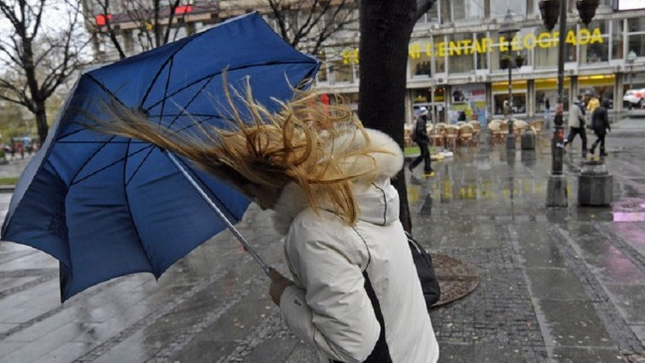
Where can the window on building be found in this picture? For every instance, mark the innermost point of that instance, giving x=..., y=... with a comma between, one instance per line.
x=467, y=9
x=546, y=47
x=500, y=94
x=432, y=16
x=460, y=50
x=636, y=35
x=481, y=52
x=598, y=85
x=499, y=8
x=322, y=75
x=548, y=89
x=594, y=42
x=420, y=55
x=617, y=39
x=439, y=53
x=341, y=71
x=503, y=48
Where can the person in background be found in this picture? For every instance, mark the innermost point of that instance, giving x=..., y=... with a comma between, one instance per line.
x=354, y=293
x=601, y=127
x=577, y=125
x=547, y=114
x=592, y=104
x=420, y=137
x=507, y=109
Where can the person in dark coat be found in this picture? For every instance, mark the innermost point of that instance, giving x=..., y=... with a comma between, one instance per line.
x=420, y=136
x=600, y=126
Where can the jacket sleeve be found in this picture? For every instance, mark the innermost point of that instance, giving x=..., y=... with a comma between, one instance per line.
x=332, y=311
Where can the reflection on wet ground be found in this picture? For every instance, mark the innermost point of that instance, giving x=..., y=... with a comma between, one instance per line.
x=567, y=272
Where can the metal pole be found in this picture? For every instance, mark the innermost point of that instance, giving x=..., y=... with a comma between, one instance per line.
x=265, y=267
x=557, y=185
x=510, y=138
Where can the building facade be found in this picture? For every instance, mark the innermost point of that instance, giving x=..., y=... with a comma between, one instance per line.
x=456, y=51
x=455, y=55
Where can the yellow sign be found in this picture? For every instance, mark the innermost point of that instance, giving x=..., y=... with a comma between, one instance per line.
x=519, y=42
x=485, y=45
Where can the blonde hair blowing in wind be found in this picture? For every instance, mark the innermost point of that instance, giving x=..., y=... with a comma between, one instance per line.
x=322, y=148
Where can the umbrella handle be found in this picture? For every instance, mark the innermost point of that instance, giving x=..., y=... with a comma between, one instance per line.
x=265, y=267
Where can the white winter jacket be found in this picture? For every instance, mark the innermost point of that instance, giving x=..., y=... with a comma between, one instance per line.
x=336, y=267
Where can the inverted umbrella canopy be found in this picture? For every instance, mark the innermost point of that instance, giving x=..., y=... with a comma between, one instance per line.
x=107, y=206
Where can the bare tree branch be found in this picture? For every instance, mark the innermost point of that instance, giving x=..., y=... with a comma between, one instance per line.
x=43, y=58
x=308, y=25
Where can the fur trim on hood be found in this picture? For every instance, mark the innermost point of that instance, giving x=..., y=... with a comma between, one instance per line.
x=292, y=200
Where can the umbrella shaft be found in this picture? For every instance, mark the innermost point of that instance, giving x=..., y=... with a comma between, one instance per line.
x=223, y=217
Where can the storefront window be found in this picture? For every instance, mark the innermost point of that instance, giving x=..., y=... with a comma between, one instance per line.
x=636, y=35
x=459, y=49
x=468, y=102
x=422, y=95
x=594, y=42
x=500, y=94
x=548, y=89
x=601, y=86
x=617, y=39
x=500, y=7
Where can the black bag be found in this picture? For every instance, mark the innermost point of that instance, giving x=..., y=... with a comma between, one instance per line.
x=425, y=270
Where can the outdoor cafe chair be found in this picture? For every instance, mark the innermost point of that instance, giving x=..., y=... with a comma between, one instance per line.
x=465, y=135
x=451, y=135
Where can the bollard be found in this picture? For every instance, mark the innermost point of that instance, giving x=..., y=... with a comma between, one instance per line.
x=528, y=139
x=595, y=185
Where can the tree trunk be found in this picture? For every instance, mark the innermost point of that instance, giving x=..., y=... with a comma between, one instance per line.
x=386, y=27
x=41, y=121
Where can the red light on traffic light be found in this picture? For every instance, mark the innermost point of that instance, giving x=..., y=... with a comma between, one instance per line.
x=102, y=19
x=184, y=9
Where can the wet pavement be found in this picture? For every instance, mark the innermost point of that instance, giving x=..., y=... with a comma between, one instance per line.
x=557, y=285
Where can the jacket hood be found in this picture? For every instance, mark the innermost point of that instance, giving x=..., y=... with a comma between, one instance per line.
x=377, y=199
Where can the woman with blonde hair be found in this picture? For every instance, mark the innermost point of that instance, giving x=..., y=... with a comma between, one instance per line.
x=354, y=293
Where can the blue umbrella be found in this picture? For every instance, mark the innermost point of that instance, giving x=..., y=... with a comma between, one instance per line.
x=107, y=206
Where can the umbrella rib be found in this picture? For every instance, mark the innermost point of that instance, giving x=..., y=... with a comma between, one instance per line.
x=165, y=63
x=221, y=204
x=105, y=167
x=213, y=75
x=127, y=182
x=165, y=92
x=127, y=202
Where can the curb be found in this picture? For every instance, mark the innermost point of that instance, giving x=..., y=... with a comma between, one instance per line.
x=7, y=188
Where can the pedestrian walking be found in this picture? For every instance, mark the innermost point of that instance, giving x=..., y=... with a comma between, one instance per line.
x=547, y=114
x=354, y=293
x=592, y=104
x=601, y=127
x=577, y=125
x=420, y=137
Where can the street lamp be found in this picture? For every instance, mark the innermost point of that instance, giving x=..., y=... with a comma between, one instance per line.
x=509, y=29
x=549, y=9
